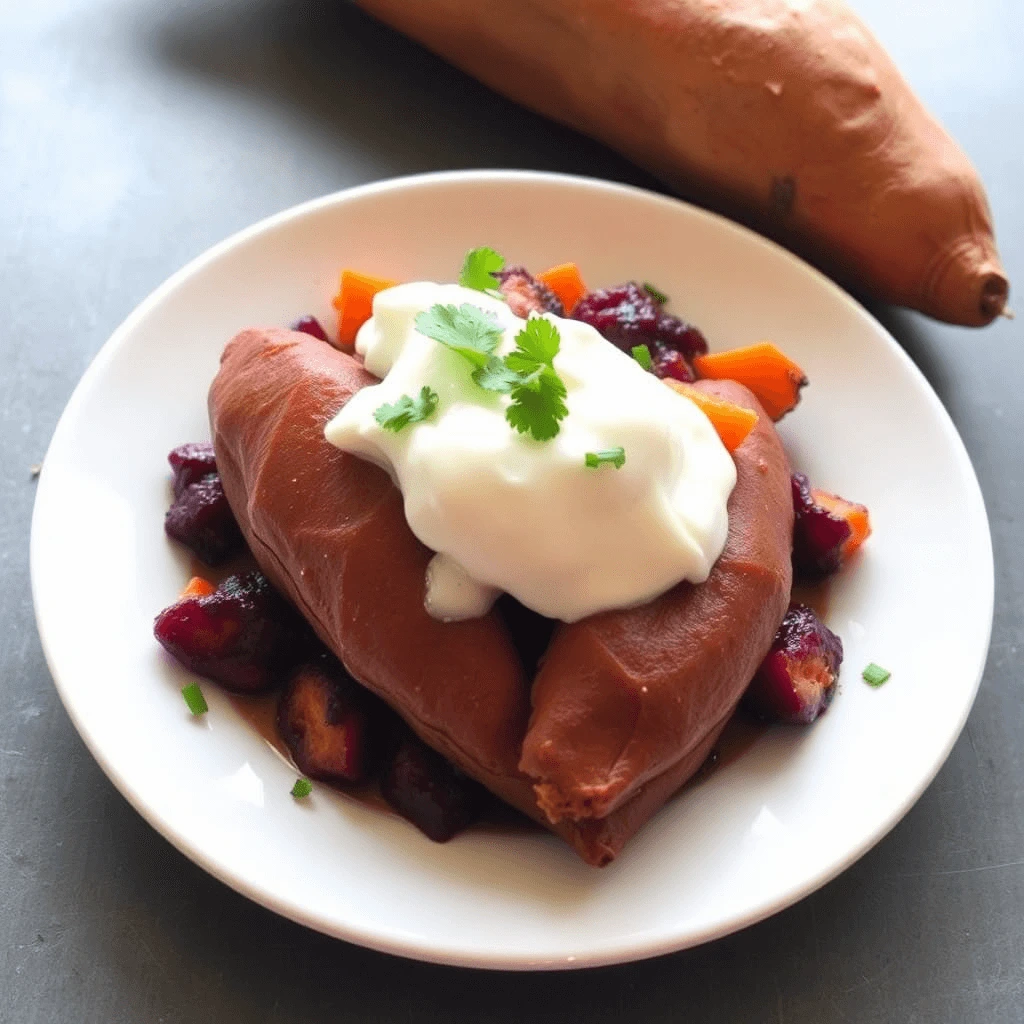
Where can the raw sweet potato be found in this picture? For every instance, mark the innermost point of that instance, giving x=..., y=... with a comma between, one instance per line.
x=785, y=113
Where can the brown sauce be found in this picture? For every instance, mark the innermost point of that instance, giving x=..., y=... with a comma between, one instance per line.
x=260, y=712
x=741, y=732
x=814, y=595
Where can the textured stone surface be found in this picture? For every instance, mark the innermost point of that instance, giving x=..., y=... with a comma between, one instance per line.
x=133, y=134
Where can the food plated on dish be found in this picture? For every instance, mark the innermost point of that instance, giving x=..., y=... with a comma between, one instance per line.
x=755, y=834
x=506, y=438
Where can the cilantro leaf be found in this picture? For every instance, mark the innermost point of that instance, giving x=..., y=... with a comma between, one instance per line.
x=494, y=375
x=538, y=342
x=407, y=410
x=609, y=456
x=467, y=329
x=537, y=410
x=538, y=393
x=479, y=268
x=642, y=354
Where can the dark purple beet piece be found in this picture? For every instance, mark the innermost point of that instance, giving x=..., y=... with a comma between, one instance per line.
x=310, y=325
x=243, y=636
x=667, y=362
x=629, y=315
x=429, y=791
x=818, y=536
x=677, y=334
x=526, y=295
x=327, y=719
x=201, y=519
x=191, y=462
x=797, y=679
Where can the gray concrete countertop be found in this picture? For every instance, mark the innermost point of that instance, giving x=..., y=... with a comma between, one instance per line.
x=135, y=133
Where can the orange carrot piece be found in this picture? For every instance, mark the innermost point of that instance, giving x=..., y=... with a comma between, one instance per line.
x=354, y=303
x=566, y=282
x=197, y=587
x=774, y=378
x=731, y=422
x=855, y=515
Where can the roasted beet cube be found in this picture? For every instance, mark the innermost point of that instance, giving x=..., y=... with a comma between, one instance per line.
x=667, y=362
x=797, y=679
x=630, y=315
x=677, y=334
x=202, y=520
x=326, y=720
x=243, y=635
x=429, y=791
x=191, y=462
x=818, y=535
x=310, y=325
x=525, y=294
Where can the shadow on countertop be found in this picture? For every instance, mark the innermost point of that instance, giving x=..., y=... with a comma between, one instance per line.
x=361, y=83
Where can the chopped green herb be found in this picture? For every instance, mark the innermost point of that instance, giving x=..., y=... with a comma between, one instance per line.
x=610, y=456
x=407, y=410
x=538, y=411
x=496, y=376
x=527, y=374
x=538, y=342
x=642, y=354
x=302, y=788
x=479, y=268
x=538, y=395
x=466, y=329
x=875, y=675
x=655, y=293
x=194, y=699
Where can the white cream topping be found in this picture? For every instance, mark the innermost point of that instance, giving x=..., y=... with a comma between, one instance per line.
x=508, y=513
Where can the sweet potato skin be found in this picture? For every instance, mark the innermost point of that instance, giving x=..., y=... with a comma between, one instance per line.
x=330, y=531
x=622, y=696
x=785, y=113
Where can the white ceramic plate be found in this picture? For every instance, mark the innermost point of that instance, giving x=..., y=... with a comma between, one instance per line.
x=794, y=811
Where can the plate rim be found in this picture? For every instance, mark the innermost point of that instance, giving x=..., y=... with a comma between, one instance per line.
x=628, y=949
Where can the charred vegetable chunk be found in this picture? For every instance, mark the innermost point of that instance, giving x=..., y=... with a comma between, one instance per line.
x=525, y=294
x=854, y=515
x=797, y=679
x=429, y=791
x=190, y=463
x=310, y=325
x=630, y=315
x=669, y=364
x=243, y=635
x=201, y=517
x=818, y=535
x=325, y=720
x=202, y=520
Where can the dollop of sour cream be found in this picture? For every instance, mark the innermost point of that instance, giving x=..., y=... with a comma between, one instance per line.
x=505, y=512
